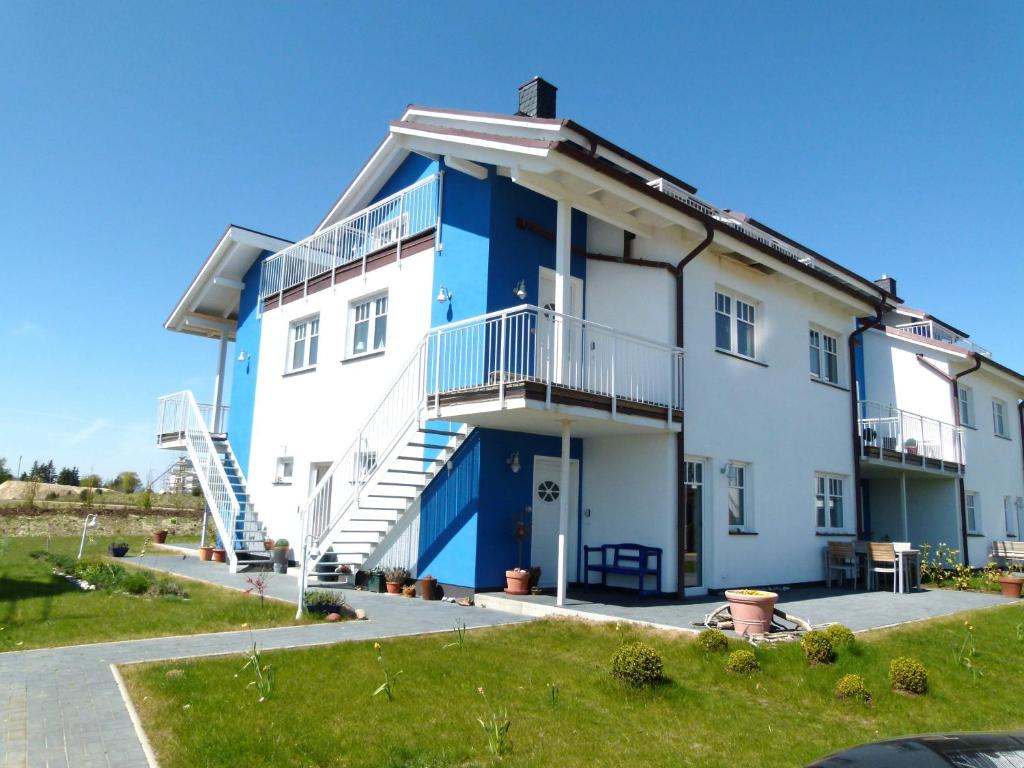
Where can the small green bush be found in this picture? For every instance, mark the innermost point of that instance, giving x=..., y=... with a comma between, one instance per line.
x=908, y=674
x=135, y=583
x=852, y=687
x=839, y=635
x=712, y=640
x=742, y=662
x=818, y=648
x=638, y=664
x=165, y=587
x=51, y=496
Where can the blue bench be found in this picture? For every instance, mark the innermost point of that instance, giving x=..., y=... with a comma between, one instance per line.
x=625, y=560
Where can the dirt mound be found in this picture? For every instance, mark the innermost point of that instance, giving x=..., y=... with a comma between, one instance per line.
x=14, y=490
x=113, y=522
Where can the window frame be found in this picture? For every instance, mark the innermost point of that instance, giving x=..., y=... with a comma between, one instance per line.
x=825, y=484
x=972, y=512
x=737, y=309
x=965, y=405
x=282, y=462
x=310, y=326
x=740, y=470
x=822, y=354
x=1000, y=427
x=372, y=302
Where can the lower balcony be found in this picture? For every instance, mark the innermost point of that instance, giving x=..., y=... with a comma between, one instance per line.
x=892, y=436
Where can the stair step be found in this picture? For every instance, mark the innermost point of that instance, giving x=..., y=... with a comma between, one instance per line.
x=402, y=485
x=410, y=472
x=349, y=539
x=372, y=525
x=374, y=515
x=424, y=459
x=432, y=431
x=435, y=446
x=346, y=549
x=388, y=496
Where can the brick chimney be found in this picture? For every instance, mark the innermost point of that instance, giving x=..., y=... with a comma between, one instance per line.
x=887, y=284
x=537, y=98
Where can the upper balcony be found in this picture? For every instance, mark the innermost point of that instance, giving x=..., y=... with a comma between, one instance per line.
x=929, y=329
x=176, y=417
x=893, y=436
x=313, y=263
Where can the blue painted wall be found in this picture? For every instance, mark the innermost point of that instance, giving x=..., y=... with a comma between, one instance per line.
x=414, y=168
x=243, y=373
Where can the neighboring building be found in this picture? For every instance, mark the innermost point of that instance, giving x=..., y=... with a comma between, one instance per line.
x=181, y=477
x=487, y=329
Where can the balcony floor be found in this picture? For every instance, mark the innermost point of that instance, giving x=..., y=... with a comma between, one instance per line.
x=909, y=461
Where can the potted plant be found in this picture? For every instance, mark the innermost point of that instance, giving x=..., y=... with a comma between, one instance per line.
x=159, y=535
x=1010, y=584
x=206, y=552
x=751, y=610
x=395, y=578
x=910, y=446
x=428, y=587
x=220, y=555
x=344, y=573
x=268, y=544
x=375, y=580
x=120, y=549
x=280, y=556
x=324, y=601
x=519, y=578
x=409, y=590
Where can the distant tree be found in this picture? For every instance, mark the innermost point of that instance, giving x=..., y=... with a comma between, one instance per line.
x=68, y=476
x=5, y=474
x=49, y=472
x=91, y=481
x=127, y=482
x=34, y=472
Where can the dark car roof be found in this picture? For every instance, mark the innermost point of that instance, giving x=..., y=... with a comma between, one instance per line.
x=963, y=750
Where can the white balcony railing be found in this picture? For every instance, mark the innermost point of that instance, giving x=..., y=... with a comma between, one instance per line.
x=931, y=330
x=886, y=428
x=176, y=413
x=404, y=214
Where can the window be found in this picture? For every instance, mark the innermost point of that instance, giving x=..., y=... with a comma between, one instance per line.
x=966, y=400
x=1010, y=512
x=285, y=468
x=999, y=418
x=971, y=512
x=737, y=476
x=369, y=325
x=828, y=491
x=824, y=356
x=735, y=324
x=303, y=343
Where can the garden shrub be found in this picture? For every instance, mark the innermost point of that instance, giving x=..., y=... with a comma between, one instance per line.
x=638, y=664
x=165, y=587
x=852, y=687
x=742, y=662
x=51, y=496
x=818, y=648
x=712, y=640
x=839, y=635
x=135, y=583
x=908, y=674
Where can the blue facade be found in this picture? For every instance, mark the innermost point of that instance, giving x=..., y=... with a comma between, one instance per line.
x=414, y=168
x=243, y=373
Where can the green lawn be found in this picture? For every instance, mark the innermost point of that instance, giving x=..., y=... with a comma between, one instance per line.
x=39, y=609
x=321, y=712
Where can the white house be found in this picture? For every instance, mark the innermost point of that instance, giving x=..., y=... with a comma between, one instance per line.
x=486, y=334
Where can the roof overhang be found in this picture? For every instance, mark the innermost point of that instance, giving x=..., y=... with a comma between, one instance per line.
x=210, y=305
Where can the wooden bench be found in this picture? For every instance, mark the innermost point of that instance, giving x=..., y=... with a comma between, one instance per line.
x=625, y=560
x=1008, y=551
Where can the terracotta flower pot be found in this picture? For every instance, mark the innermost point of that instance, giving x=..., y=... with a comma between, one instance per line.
x=518, y=582
x=427, y=587
x=268, y=544
x=205, y=553
x=394, y=587
x=751, y=613
x=1011, y=585
x=220, y=555
x=159, y=537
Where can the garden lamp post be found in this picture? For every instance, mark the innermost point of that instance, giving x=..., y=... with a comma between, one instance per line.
x=90, y=522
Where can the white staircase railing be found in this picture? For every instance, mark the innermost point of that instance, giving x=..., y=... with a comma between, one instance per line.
x=181, y=414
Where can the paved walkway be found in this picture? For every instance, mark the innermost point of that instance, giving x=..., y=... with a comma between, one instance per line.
x=61, y=707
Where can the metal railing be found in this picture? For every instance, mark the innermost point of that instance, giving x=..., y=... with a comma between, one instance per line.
x=404, y=214
x=929, y=329
x=182, y=414
x=887, y=428
x=175, y=412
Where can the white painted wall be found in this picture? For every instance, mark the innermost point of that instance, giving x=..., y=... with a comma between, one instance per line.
x=313, y=416
x=894, y=376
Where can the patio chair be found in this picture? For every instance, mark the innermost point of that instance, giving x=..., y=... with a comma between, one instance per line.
x=911, y=564
x=841, y=558
x=881, y=559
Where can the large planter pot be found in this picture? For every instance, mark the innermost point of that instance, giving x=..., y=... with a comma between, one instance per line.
x=375, y=582
x=394, y=587
x=751, y=613
x=280, y=559
x=427, y=587
x=518, y=582
x=205, y=553
x=118, y=551
x=159, y=537
x=220, y=555
x=1011, y=585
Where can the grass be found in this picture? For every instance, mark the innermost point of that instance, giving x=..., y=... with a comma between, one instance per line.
x=321, y=711
x=41, y=610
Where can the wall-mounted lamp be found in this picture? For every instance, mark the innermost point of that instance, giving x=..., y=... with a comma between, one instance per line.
x=243, y=356
x=520, y=290
x=513, y=462
x=443, y=295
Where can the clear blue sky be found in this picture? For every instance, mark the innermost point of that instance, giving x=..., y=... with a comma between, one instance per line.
x=886, y=135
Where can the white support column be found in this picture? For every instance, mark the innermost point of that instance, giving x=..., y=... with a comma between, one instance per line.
x=563, y=516
x=563, y=287
x=903, y=505
x=218, y=383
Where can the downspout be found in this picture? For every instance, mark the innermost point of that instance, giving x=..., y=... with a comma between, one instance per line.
x=954, y=385
x=852, y=343
x=681, y=437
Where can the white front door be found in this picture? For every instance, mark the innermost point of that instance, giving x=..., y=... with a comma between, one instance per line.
x=547, y=494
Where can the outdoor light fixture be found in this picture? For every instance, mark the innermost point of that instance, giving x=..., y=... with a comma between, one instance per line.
x=242, y=356
x=443, y=295
x=520, y=290
x=90, y=522
x=513, y=462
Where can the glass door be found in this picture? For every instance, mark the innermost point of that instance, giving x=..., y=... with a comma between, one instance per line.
x=693, y=490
